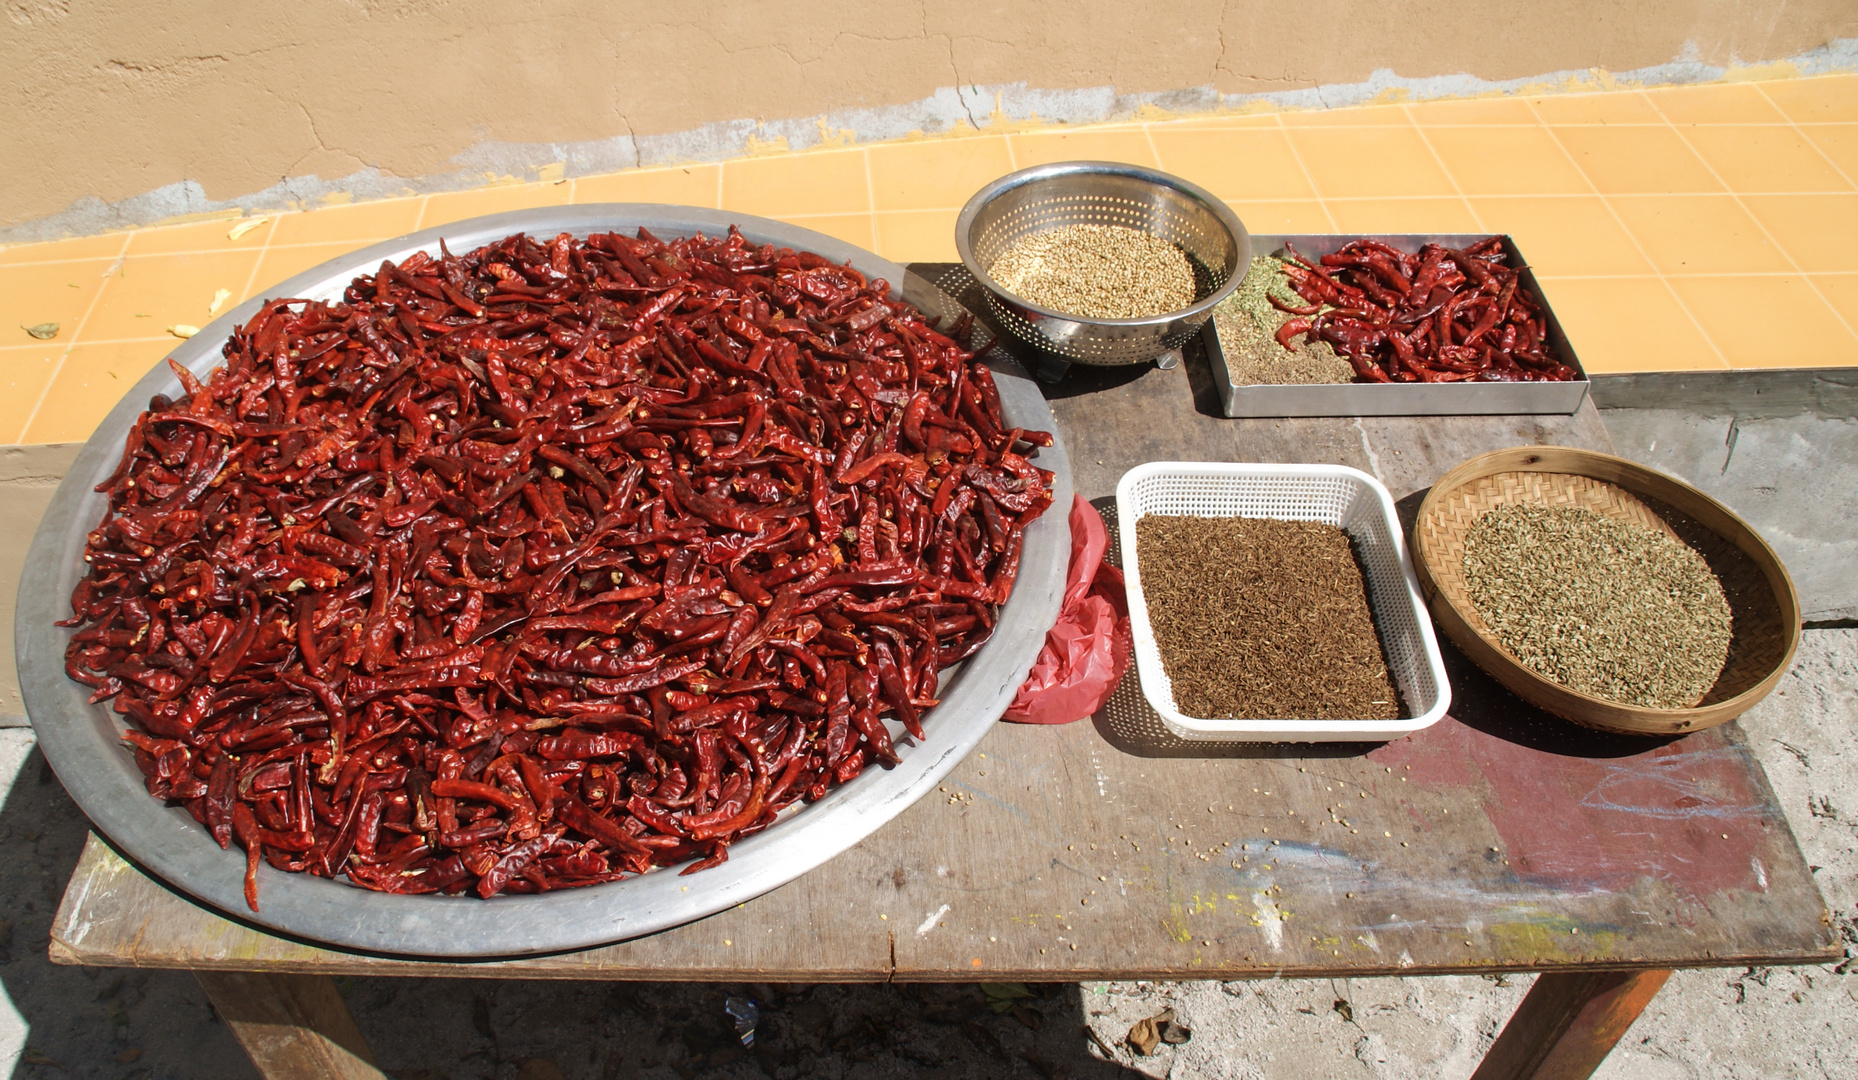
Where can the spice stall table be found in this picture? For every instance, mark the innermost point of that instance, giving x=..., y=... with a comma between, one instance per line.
x=1498, y=840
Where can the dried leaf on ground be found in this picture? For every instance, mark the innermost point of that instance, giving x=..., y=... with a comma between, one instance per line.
x=1150, y=1032
x=44, y=331
x=1146, y=1034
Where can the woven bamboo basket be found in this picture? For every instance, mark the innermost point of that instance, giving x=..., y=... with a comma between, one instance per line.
x=1761, y=595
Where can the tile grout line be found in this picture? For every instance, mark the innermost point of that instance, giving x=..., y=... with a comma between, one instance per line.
x=294, y=245
x=1632, y=236
x=1336, y=198
x=870, y=194
x=1476, y=218
x=101, y=341
x=1810, y=141
x=1210, y=122
x=301, y=244
x=1277, y=121
x=1759, y=224
x=78, y=329
x=844, y=214
x=1148, y=132
x=251, y=279
x=62, y=262
x=1305, y=169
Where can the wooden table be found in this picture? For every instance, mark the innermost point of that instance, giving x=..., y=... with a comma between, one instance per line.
x=1498, y=840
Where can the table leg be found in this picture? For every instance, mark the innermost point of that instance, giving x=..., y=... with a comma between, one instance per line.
x=1567, y=1024
x=295, y=1027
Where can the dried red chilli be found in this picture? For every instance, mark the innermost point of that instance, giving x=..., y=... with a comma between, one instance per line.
x=1443, y=315
x=535, y=567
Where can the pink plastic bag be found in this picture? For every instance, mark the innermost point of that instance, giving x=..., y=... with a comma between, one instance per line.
x=1087, y=652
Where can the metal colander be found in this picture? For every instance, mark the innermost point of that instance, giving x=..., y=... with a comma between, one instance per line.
x=1103, y=193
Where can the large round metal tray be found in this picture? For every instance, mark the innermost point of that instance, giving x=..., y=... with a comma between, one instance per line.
x=82, y=743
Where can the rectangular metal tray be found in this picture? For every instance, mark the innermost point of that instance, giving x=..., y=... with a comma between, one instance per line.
x=1400, y=399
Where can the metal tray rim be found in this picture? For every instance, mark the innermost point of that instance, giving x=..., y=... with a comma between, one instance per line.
x=80, y=740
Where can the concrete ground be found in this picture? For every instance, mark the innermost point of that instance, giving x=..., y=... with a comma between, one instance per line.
x=1792, y=479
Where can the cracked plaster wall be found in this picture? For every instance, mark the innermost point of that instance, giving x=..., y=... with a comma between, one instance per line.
x=120, y=113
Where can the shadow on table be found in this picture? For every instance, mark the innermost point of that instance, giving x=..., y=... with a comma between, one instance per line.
x=1130, y=724
x=1200, y=380
x=1480, y=702
x=1083, y=379
x=1056, y=376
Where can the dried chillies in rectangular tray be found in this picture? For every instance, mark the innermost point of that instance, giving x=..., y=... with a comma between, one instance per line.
x=1441, y=315
x=543, y=565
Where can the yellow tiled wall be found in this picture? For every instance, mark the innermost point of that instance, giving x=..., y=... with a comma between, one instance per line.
x=1691, y=228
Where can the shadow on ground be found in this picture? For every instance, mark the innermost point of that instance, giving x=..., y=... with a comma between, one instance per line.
x=616, y=1031
x=84, y=1022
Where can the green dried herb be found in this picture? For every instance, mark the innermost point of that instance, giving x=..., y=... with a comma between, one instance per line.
x=45, y=331
x=1247, y=324
x=1264, y=278
x=1605, y=607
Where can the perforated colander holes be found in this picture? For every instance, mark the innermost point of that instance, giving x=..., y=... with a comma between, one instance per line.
x=1072, y=210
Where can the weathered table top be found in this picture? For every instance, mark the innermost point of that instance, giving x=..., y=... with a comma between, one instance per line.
x=1498, y=839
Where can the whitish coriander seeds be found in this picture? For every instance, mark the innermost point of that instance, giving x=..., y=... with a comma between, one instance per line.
x=1097, y=271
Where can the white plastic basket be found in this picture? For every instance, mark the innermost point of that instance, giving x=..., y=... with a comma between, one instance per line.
x=1333, y=494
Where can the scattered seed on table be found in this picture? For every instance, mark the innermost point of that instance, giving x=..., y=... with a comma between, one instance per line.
x=1605, y=607
x=1097, y=271
x=1263, y=619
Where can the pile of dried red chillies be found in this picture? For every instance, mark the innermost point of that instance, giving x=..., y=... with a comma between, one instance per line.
x=535, y=567
x=1442, y=315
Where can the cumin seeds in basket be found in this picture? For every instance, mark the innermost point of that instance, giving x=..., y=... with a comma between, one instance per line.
x=1258, y=619
x=1604, y=607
